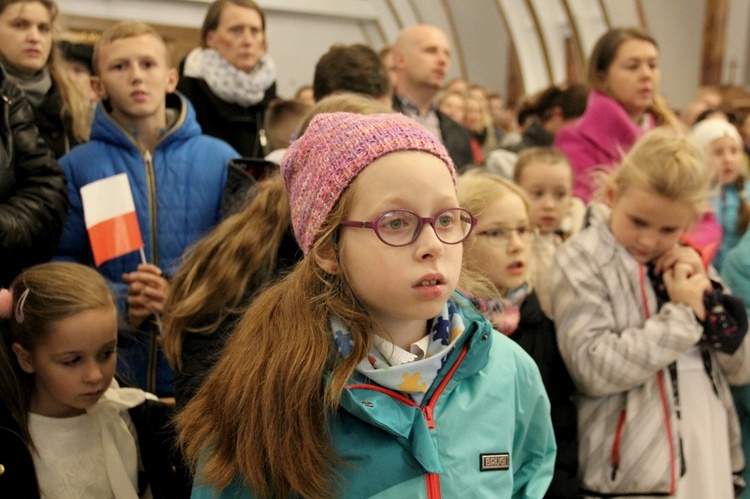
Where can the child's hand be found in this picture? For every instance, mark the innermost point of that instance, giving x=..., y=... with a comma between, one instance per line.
x=680, y=254
x=147, y=293
x=687, y=287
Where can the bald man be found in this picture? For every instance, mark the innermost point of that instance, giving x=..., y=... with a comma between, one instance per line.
x=421, y=60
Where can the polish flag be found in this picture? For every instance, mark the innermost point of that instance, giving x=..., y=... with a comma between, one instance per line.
x=111, y=222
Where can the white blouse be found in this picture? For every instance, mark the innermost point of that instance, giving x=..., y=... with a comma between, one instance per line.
x=93, y=455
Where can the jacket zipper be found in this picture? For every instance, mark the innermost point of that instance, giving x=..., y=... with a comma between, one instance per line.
x=662, y=394
x=148, y=163
x=432, y=480
x=615, y=458
x=668, y=424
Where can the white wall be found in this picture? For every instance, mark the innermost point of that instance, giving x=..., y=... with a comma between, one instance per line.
x=297, y=41
x=300, y=31
x=677, y=26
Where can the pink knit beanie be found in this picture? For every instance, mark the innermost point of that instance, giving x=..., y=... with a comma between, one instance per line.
x=334, y=149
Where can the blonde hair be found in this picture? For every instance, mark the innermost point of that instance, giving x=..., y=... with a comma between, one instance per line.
x=487, y=123
x=345, y=102
x=52, y=292
x=477, y=189
x=75, y=108
x=666, y=164
x=545, y=155
x=122, y=30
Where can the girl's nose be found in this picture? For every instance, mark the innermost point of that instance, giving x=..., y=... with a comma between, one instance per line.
x=515, y=241
x=647, y=241
x=93, y=373
x=427, y=244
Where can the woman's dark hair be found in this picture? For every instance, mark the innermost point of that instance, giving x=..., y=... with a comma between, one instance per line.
x=605, y=51
x=213, y=15
x=571, y=100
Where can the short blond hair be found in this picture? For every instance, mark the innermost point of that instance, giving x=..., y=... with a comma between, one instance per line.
x=121, y=30
x=545, y=155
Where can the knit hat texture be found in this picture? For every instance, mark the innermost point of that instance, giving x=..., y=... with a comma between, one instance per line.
x=334, y=149
x=706, y=131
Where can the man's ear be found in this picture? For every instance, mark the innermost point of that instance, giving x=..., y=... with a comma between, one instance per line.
x=172, y=78
x=24, y=358
x=327, y=260
x=98, y=86
x=399, y=59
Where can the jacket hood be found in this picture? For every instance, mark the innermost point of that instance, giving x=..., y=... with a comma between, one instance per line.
x=106, y=129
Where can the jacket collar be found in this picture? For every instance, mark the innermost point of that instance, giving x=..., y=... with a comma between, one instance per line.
x=403, y=419
x=106, y=129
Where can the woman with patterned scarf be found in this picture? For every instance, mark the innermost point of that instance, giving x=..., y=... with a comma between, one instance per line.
x=61, y=113
x=500, y=248
x=230, y=79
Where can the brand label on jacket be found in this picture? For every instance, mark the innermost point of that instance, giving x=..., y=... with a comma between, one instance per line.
x=494, y=462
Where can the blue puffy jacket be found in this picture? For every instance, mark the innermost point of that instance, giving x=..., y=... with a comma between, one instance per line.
x=177, y=191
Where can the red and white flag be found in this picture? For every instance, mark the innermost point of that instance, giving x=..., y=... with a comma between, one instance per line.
x=111, y=221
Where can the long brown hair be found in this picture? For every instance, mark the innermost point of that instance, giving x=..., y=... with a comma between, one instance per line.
x=263, y=412
x=237, y=256
x=603, y=55
x=743, y=209
x=74, y=105
x=54, y=291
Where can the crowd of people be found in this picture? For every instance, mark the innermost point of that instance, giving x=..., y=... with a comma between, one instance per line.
x=386, y=285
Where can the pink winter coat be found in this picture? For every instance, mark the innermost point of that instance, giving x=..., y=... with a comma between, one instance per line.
x=597, y=141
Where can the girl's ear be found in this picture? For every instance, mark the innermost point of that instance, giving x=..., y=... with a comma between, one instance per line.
x=327, y=260
x=24, y=358
x=609, y=196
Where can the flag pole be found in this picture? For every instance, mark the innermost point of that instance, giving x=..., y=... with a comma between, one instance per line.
x=157, y=316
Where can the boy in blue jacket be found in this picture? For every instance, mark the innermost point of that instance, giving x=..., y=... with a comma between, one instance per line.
x=177, y=176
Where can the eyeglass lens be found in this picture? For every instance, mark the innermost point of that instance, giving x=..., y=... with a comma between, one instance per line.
x=401, y=227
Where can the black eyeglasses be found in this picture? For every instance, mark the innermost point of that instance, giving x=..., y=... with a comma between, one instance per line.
x=402, y=227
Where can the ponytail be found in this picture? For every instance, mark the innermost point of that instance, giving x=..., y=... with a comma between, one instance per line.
x=743, y=209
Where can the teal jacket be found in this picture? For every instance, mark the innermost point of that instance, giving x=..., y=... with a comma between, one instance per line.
x=736, y=269
x=484, y=431
x=726, y=206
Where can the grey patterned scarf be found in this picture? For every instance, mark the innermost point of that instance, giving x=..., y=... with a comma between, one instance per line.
x=226, y=81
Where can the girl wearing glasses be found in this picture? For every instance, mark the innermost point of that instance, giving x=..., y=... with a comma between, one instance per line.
x=361, y=373
x=500, y=247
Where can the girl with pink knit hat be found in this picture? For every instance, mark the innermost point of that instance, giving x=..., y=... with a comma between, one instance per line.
x=362, y=373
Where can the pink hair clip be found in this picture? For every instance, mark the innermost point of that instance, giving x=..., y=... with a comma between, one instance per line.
x=19, y=306
x=6, y=303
